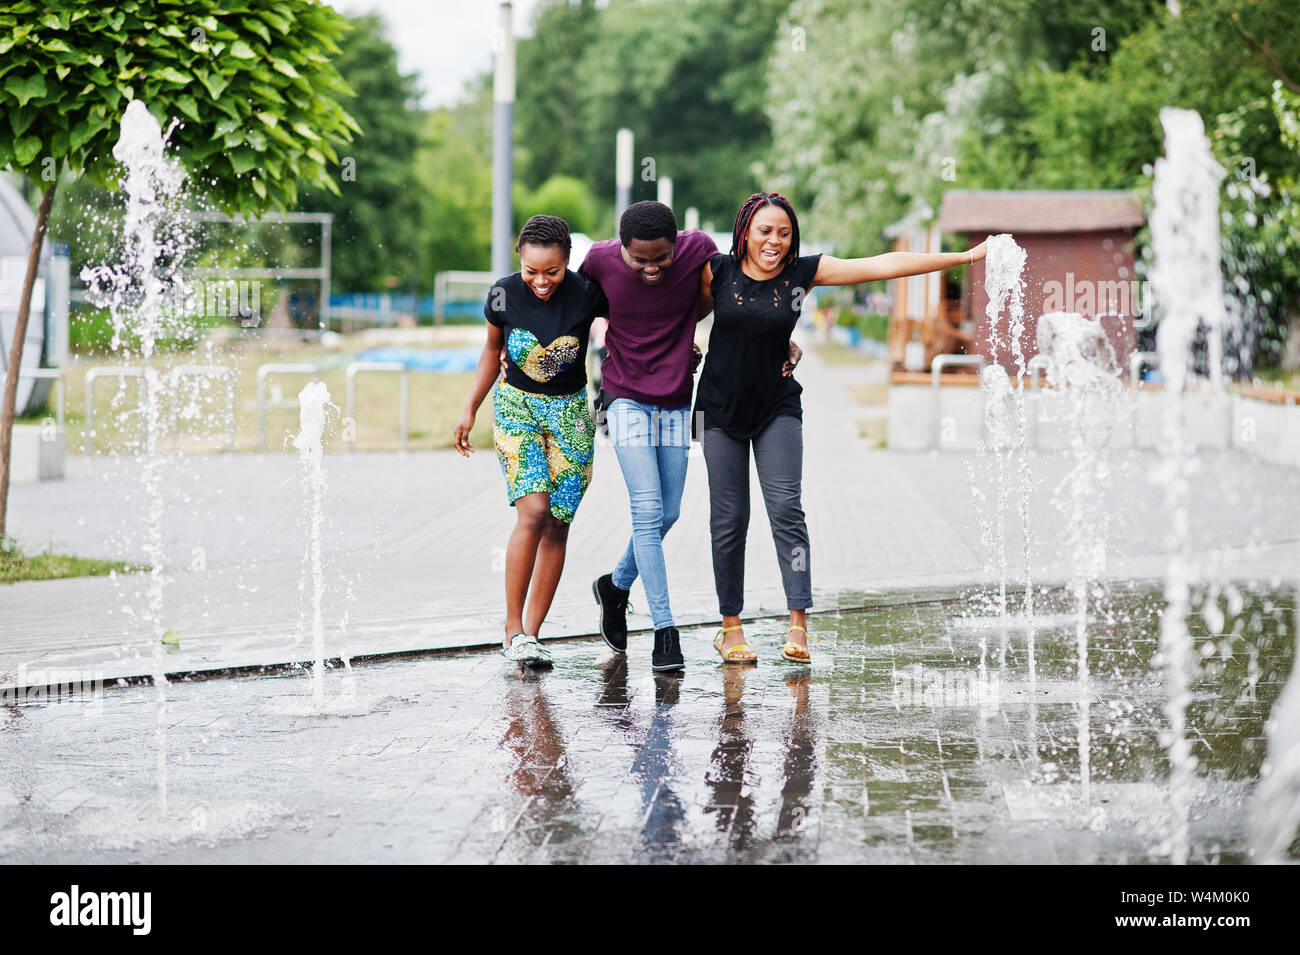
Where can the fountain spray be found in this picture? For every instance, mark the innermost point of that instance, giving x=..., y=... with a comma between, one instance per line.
x=1187, y=284
x=1004, y=414
x=312, y=402
x=137, y=292
x=1080, y=364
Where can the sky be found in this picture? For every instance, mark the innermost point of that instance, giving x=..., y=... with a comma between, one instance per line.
x=443, y=42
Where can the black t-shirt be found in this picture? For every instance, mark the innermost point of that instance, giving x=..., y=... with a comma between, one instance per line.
x=741, y=388
x=546, y=341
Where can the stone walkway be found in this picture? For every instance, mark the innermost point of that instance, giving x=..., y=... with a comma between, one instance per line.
x=414, y=545
x=919, y=734
x=914, y=737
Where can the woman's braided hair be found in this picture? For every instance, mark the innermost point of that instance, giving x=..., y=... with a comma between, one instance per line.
x=740, y=232
x=545, y=231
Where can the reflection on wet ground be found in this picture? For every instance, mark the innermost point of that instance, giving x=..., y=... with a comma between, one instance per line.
x=914, y=737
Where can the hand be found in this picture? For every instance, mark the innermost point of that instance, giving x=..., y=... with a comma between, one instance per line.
x=696, y=357
x=978, y=253
x=795, y=354
x=503, y=365
x=462, y=434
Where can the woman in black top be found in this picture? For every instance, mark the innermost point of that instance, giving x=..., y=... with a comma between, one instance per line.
x=746, y=399
x=542, y=429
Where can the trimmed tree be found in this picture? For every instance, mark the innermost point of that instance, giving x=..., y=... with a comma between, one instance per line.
x=378, y=209
x=251, y=83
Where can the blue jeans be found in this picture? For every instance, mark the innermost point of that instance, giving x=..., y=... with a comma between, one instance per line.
x=652, y=445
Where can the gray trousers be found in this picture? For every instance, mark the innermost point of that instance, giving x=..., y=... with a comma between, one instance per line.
x=778, y=455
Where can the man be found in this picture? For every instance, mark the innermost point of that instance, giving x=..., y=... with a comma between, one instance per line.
x=651, y=276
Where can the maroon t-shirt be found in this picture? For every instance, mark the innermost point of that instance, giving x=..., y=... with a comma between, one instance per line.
x=651, y=327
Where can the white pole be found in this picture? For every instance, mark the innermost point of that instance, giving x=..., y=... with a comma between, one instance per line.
x=623, y=161
x=503, y=95
x=665, y=191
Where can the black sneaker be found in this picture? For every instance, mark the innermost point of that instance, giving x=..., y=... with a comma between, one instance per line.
x=613, y=612
x=668, y=650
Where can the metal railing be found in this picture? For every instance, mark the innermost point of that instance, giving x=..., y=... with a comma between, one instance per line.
x=274, y=368
x=230, y=376
x=202, y=371
x=936, y=369
x=1037, y=365
x=443, y=279
x=1135, y=363
x=173, y=379
x=50, y=374
x=389, y=367
x=107, y=371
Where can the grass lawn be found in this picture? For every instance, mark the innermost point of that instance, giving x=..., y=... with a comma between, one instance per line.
x=202, y=405
x=16, y=566
x=874, y=430
x=870, y=394
x=1289, y=379
x=833, y=353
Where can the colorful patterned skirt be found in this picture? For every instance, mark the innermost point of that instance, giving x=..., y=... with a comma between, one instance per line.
x=545, y=443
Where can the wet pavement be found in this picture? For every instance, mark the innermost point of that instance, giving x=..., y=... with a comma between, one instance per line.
x=414, y=545
x=920, y=734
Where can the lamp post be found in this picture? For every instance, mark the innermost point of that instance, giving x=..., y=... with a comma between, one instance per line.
x=503, y=95
x=665, y=191
x=622, y=173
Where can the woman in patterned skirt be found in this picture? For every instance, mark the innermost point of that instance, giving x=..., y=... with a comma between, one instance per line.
x=543, y=432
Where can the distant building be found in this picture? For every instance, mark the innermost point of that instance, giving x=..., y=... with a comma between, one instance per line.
x=1079, y=247
x=923, y=321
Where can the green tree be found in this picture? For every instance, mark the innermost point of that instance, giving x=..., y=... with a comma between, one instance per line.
x=891, y=102
x=1097, y=126
x=1070, y=130
x=251, y=82
x=454, y=173
x=687, y=77
x=562, y=196
x=376, y=230
x=549, y=92
x=871, y=110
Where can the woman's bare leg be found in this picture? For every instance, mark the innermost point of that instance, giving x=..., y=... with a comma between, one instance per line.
x=735, y=638
x=532, y=514
x=546, y=578
x=798, y=618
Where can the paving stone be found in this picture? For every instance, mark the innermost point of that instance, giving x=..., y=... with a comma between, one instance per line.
x=464, y=758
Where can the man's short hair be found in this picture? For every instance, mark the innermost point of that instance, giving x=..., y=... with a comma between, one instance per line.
x=647, y=220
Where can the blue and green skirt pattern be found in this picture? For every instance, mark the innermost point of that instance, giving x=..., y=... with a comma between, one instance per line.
x=545, y=443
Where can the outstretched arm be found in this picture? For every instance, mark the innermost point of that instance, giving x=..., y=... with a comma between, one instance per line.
x=891, y=265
